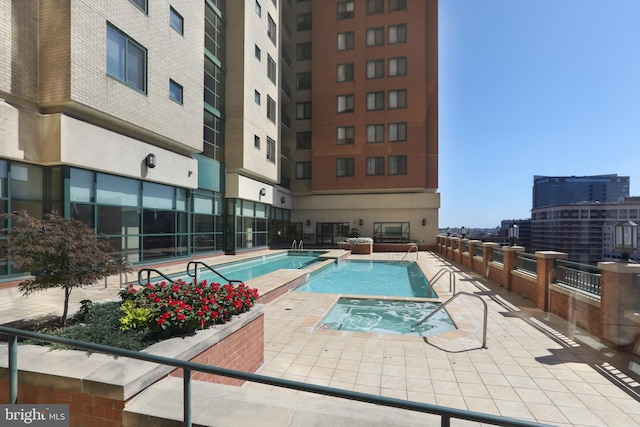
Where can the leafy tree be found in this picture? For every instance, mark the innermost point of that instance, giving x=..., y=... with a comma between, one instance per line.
x=59, y=253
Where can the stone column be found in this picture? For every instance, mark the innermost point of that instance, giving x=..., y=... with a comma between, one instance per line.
x=619, y=303
x=546, y=275
x=509, y=263
x=486, y=257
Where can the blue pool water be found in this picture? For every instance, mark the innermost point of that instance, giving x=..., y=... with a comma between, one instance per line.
x=386, y=317
x=385, y=278
x=254, y=267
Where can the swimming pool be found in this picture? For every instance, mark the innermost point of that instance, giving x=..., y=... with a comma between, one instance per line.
x=357, y=277
x=386, y=317
x=255, y=267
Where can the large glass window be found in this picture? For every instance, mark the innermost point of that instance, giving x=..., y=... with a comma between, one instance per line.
x=345, y=10
x=397, y=34
x=345, y=40
x=375, y=133
x=398, y=66
x=271, y=69
x=344, y=167
x=375, y=69
x=271, y=29
x=303, y=80
x=271, y=109
x=126, y=59
x=397, y=132
x=303, y=22
x=303, y=170
x=397, y=99
x=345, y=135
x=303, y=51
x=375, y=165
x=303, y=140
x=271, y=149
x=176, y=21
x=345, y=104
x=375, y=7
x=395, y=5
x=375, y=101
x=375, y=37
x=344, y=72
x=175, y=91
x=397, y=165
x=303, y=110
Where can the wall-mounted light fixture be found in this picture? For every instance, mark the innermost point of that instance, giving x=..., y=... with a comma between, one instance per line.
x=361, y=222
x=424, y=221
x=283, y=199
x=263, y=191
x=150, y=160
x=308, y=222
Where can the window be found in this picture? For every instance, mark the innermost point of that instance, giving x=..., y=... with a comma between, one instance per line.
x=271, y=109
x=397, y=165
x=345, y=104
x=397, y=132
x=258, y=53
x=176, y=21
x=375, y=133
x=303, y=22
x=271, y=149
x=256, y=97
x=395, y=5
x=344, y=167
x=303, y=80
x=256, y=141
x=303, y=51
x=258, y=9
x=375, y=165
x=141, y=4
x=397, y=34
x=303, y=110
x=398, y=66
x=345, y=135
x=375, y=36
x=397, y=99
x=344, y=72
x=375, y=7
x=375, y=101
x=303, y=170
x=175, y=91
x=345, y=10
x=271, y=69
x=345, y=41
x=303, y=140
x=271, y=29
x=126, y=59
x=375, y=69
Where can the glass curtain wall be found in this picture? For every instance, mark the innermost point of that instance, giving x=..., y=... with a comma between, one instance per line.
x=248, y=222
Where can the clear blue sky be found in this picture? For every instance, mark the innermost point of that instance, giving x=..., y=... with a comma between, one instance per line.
x=533, y=87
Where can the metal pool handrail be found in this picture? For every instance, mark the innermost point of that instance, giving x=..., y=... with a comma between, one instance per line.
x=149, y=271
x=195, y=271
x=484, y=326
x=409, y=251
x=444, y=412
x=440, y=273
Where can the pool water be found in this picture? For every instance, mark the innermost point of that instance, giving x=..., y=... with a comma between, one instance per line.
x=255, y=267
x=386, y=278
x=386, y=317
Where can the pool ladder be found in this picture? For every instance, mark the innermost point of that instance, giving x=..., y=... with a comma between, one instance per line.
x=442, y=306
x=413, y=246
x=442, y=272
x=296, y=245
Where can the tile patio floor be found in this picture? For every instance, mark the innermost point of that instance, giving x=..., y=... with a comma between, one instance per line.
x=535, y=367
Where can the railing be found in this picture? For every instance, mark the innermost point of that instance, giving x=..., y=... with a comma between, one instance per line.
x=195, y=271
x=584, y=277
x=527, y=262
x=479, y=252
x=465, y=247
x=438, y=276
x=413, y=246
x=497, y=255
x=148, y=279
x=441, y=307
x=445, y=413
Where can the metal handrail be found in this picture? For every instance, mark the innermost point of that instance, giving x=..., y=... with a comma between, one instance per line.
x=413, y=245
x=484, y=327
x=440, y=273
x=195, y=271
x=149, y=271
x=294, y=245
x=445, y=413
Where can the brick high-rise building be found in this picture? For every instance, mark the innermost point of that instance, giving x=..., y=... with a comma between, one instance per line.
x=182, y=127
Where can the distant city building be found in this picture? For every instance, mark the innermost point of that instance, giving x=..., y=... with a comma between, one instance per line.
x=566, y=190
x=582, y=230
